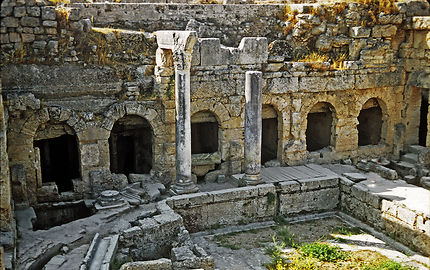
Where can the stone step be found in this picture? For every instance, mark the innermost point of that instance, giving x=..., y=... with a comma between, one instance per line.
x=403, y=168
x=100, y=253
x=410, y=157
x=415, y=149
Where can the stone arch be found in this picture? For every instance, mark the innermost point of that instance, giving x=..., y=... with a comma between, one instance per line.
x=27, y=156
x=55, y=113
x=321, y=120
x=371, y=121
x=145, y=110
x=148, y=111
x=218, y=109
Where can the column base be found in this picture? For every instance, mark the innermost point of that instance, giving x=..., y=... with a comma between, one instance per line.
x=183, y=189
x=252, y=179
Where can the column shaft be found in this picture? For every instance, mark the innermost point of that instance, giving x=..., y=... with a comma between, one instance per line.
x=253, y=120
x=184, y=183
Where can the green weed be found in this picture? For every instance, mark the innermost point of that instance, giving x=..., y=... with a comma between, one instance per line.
x=324, y=252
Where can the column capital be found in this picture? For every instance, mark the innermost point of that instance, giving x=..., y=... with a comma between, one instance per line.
x=181, y=43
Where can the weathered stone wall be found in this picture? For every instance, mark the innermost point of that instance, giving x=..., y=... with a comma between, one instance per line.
x=6, y=214
x=87, y=77
x=408, y=226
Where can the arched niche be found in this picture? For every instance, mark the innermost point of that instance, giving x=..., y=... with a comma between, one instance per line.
x=204, y=133
x=57, y=155
x=321, y=124
x=130, y=145
x=370, y=123
x=269, y=141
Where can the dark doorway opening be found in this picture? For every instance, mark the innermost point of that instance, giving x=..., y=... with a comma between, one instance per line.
x=269, y=140
x=423, y=129
x=130, y=145
x=319, y=127
x=204, y=133
x=59, y=161
x=370, y=123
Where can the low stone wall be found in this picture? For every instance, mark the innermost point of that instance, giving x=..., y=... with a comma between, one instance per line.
x=209, y=210
x=319, y=194
x=387, y=215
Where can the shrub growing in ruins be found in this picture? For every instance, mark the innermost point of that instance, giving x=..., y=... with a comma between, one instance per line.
x=324, y=252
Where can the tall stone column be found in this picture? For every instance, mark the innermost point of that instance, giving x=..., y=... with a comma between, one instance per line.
x=181, y=43
x=253, y=122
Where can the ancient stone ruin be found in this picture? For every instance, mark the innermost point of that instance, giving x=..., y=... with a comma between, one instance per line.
x=126, y=126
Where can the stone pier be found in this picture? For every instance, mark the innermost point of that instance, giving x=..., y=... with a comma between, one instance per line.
x=253, y=122
x=181, y=43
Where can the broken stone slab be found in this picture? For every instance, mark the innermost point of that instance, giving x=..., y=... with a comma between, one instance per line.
x=143, y=178
x=160, y=264
x=383, y=171
x=105, y=180
x=182, y=253
x=356, y=177
x=363, y=165
x=425, y=182
x=411, y=179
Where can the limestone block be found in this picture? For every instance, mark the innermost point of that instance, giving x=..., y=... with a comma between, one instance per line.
x=364, y=81
x=30, y=21
x=22, y=102
x=211, y=53
x=417, y=8
x=182, y=253
x=90, y=154
x=421, y=23
x=187, y=200
x=390, y=18
x=253, y=50
x=9, y=22
x=384, y=30
x=160, y=264
x=282, y=85
x=19, y=11
x=406, y=215
x=359, y=32
x=289, y=186
x=323, y=43
x=231, y=195
x=102, y=180
x=48, y=13
x=317, y=200
x=389, y=207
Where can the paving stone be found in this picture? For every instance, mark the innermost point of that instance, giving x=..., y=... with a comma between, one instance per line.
x=356, y=177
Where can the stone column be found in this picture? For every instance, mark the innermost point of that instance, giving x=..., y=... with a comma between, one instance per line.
x=252, y=151
x=181, y=43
